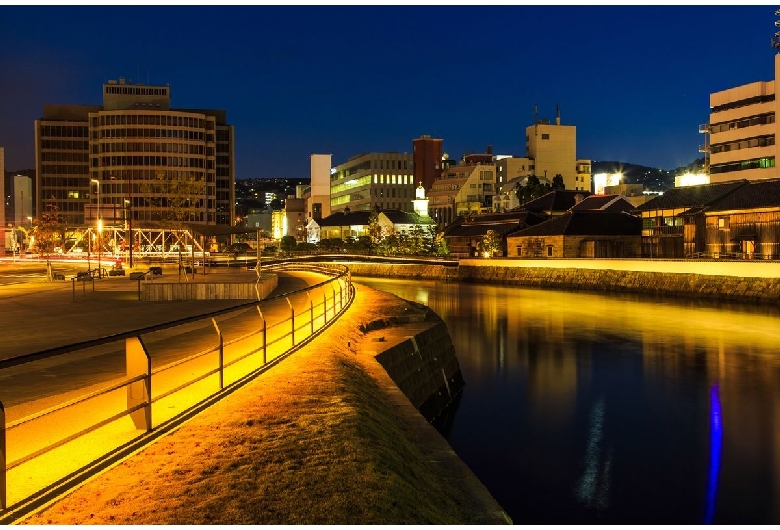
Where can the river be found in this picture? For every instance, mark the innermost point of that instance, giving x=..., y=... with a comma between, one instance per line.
x=608, y=409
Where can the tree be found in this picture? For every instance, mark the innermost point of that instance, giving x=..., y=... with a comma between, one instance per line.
x=533, y=188
x=557, y=182
x=178, y=199
x=490, y=244
x=374, y=229
x=49, y=229
x=442, y=248
x=287, y=244
x=277, y=205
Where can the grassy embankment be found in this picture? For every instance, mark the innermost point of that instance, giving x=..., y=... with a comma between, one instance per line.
x=318, y=439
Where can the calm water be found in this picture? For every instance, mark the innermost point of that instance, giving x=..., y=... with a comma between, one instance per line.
x=583, y=408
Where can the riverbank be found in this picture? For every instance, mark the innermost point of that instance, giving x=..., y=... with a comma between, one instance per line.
x=742, y=282
x=324, y=437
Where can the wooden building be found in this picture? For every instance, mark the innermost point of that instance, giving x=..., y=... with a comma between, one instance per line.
x=464, y=234
x=580, y=234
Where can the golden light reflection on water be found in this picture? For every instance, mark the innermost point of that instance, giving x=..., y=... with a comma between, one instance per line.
x=548, y=345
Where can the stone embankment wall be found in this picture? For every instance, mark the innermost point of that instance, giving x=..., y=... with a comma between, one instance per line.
x=162, y=291
x=733, y=282
x=423, y=365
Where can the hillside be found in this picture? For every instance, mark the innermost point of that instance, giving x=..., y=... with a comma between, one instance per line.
x=652, y=178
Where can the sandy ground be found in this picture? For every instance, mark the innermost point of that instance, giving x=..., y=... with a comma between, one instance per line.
x=324, y=437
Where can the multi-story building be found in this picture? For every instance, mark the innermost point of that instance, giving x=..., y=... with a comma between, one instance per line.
x=368, y=181
x=23, y=200
x=741, y=133
x=135, y=157
x=552, y=150
x=318, y=200
x=427, y=157
x=462, y=190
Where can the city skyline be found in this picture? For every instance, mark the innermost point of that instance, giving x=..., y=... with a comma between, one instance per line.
x=298, y=80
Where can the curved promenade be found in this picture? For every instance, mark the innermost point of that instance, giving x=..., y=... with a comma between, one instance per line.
x=323, y=437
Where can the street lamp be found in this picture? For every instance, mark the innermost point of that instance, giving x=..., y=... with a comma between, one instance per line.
x=99, y=225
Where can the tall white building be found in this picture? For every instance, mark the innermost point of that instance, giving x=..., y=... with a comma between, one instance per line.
x=367, y=181
x=551, y=149
x=23, y=201
x=318, y=203
x=741, y=134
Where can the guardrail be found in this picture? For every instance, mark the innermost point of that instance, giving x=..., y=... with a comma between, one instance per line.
x=150, y=397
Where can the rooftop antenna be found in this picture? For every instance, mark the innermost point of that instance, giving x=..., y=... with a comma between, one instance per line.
x=776, y=37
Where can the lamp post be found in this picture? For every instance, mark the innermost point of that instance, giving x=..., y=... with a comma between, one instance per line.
x=99, y=225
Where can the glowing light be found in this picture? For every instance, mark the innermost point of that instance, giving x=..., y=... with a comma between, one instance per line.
x=691, y=179
x=716, y=442
x=602, y=180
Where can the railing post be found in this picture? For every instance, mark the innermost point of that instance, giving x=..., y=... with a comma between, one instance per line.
x=334, y=299
x=3, y=490
x=73, y=284
x=265, y=340
x=311, y=312
x=341, y=297
x=221, y=355
x=292, y=317
x=324, y=308
x=139, y=362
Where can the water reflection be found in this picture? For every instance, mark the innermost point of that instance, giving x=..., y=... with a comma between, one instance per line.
x=585, y=408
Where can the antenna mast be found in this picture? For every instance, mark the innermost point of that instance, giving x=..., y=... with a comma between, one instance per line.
x=776, y=37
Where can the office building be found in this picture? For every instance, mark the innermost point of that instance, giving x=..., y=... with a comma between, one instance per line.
x=373, y=180
x=135, y=157
x=741, y=134
x=318, y=200
x=427, y=157
x=552, y=150
x=462, y=190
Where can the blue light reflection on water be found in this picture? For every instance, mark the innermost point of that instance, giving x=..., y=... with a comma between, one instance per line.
x=586, y=408
x=716, y=440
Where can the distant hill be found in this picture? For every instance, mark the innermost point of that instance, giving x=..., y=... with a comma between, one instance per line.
x=653, y=179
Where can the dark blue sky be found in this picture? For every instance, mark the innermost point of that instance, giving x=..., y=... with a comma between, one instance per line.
x=298, y=80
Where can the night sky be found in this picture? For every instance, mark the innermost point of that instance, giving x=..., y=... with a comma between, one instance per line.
x=297, y=80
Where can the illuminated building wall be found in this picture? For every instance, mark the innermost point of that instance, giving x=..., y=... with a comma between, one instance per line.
x=460, y=190
x=742, y=131
x=129, y=144
x=365, y=181
x=553, y=149
x=427, y=157
x=318, y=203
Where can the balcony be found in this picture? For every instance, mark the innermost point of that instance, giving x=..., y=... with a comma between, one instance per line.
x=704, y=128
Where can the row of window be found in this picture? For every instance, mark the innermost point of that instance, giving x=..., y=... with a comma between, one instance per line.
x=755, y=163
x=743, y=103
x=63, y=169
x=368, y=165
x=180, y=134
x=75, y=145
x=64, y=131
x=486, y=175
x=134, y=90
x=402, y=193
x=151, y=147
x=761, y=141
x=137, y=175
x=168, y=161
x=60, y=156
x=759, y=119
x=394, y=179
x=158, y=119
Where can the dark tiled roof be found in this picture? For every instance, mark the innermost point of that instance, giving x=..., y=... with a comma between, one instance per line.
x=398, y=217
x=556, y=201
x=346, y=219
x=481, y=224
x=482, y=229
x=587, y=223
x=606, y=203
x=691, y=196
x=757, y=194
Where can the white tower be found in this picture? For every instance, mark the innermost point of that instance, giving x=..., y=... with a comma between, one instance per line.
x=420, y=202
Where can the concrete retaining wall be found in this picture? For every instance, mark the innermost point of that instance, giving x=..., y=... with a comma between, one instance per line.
x=162, y=291
x=745, y=282
x=425, y=369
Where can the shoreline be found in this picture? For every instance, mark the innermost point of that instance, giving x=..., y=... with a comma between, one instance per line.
x=325, y=437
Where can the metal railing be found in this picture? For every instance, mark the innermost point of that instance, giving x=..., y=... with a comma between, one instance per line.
x=172, y=383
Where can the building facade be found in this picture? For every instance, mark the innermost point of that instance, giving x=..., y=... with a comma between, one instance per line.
x=462, y=190
x=373, y=180
x=427, y=158
x=135, y=158
x=318, y=199
x=552, y=150
x=741, y=133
